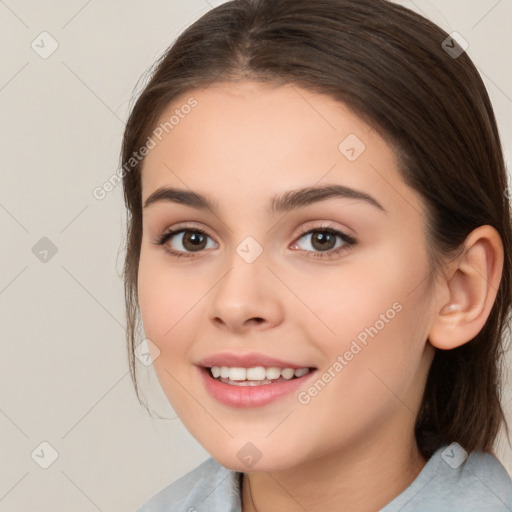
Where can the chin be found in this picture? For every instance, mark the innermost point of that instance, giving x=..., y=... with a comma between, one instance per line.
x=247, y=457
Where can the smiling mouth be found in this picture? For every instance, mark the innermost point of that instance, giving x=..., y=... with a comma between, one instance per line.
x=257, y=375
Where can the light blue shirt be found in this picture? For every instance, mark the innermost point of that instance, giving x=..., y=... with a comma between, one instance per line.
x=449, y=482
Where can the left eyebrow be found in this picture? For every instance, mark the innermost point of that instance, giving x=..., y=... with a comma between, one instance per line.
x=283, y=203
x=309, y=195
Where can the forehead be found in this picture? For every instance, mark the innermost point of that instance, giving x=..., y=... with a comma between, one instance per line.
x=259, y=140
x=255, y=115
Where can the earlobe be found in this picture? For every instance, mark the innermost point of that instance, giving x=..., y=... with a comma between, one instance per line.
x=472, y=288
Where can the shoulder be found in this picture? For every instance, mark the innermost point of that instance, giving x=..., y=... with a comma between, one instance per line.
x=452, y=481
x=209, y=486
x=485, y=478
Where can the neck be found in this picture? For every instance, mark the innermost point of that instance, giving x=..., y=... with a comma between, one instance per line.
x=364, y=478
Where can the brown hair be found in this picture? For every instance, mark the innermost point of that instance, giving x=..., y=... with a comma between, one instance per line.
x=389, y=66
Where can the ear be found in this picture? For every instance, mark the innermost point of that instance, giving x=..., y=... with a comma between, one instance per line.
x=472, y=286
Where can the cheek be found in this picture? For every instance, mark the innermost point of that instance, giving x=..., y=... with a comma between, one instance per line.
x=166, y=298
x=376, y=315
x=367, y=382
x=344, y=303
x=166, y=301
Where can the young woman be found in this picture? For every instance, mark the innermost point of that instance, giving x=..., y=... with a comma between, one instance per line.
x=319, y=242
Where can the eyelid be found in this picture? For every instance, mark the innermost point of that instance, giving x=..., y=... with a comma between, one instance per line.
x=182, y=226
x=166, y=234
x=319, y=225
x=348, y=241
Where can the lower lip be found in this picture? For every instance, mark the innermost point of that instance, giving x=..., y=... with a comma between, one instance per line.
x=250, y=396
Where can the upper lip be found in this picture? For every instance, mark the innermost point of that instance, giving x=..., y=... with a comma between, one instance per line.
x=248, y=360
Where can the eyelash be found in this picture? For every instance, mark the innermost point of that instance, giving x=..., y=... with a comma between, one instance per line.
x=349, y=241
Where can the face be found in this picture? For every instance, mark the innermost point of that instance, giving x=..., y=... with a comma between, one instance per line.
x=310, y=307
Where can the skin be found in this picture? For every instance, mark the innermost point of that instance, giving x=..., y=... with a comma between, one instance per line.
x=352, y=446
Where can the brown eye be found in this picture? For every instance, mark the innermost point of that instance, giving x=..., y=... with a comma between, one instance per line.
x=194, y=241
x=183, y=242
x=324, y=242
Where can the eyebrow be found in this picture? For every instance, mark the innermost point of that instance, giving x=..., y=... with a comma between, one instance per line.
x=283, y=203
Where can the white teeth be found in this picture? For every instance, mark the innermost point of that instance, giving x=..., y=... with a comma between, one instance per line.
x=287, y=373
x=253, y=376
x=237, y=374
x=256, y=373
x=273, y=373
x=301, y=371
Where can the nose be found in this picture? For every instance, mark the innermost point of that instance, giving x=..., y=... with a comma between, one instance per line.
x=247, y=297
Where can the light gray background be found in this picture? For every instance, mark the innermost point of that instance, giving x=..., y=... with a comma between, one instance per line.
x=63, y=368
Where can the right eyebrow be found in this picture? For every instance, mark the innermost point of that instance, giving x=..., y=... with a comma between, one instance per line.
x=180, y=196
